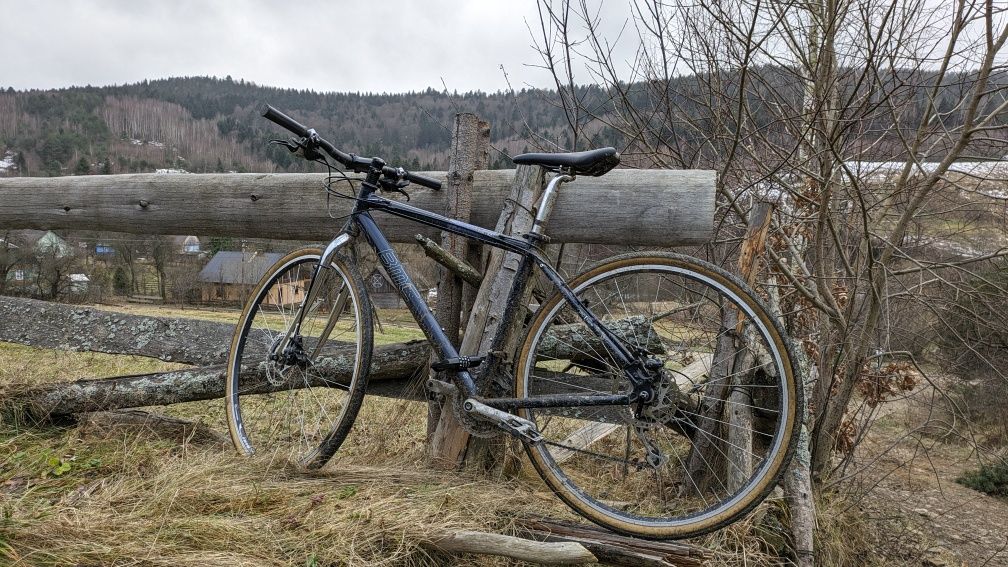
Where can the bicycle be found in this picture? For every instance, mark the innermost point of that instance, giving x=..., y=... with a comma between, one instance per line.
x=654, y=393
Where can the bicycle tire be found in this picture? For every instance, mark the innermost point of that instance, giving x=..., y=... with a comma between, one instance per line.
x=287, y=402
x=594, y=476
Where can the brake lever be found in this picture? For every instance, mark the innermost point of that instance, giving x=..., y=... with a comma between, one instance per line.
x=298, y=147
x=290, y=144
x=396, y=187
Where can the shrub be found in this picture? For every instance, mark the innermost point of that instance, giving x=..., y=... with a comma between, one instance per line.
x=990, y=478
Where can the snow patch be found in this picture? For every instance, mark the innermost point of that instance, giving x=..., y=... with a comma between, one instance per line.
x=7, y=162
x=170, y=171
x=881, y=169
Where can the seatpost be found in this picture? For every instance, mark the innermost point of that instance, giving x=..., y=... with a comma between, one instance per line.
x=548, y=198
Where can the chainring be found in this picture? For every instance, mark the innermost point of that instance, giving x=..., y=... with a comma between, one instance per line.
x=475, y=427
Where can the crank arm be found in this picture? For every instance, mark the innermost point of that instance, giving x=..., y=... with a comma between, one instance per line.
x=516, y=426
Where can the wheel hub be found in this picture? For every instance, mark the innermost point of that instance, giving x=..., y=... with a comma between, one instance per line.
x=293, y=355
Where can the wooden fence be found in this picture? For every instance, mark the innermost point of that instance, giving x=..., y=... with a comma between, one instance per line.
x=624, y=207
x=633, y=207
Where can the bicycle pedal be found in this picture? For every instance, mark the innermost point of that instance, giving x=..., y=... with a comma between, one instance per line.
x=457, y=363
x=517, y=426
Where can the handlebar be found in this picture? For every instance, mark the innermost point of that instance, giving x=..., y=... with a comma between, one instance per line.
x=282, y=119
x=356, y=163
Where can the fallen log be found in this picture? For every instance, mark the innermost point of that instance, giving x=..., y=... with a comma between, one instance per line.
x=204, y=343
x=539, y=552
x=70, y=327
x=397, y=363
x=614, y=549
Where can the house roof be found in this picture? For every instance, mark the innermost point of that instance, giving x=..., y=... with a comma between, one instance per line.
x=237, y=267
x=26, y=237
x=183, y=240
x=51, y=243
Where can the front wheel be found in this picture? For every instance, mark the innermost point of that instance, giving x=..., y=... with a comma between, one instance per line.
x=715, y=438
x=297, y=369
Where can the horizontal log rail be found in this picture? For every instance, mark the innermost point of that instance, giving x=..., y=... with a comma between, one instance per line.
x=628, y=207
x=203, y=344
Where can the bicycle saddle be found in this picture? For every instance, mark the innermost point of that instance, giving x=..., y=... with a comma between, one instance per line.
x=593, y=162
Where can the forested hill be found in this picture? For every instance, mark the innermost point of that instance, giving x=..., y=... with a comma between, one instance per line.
x=202, y=124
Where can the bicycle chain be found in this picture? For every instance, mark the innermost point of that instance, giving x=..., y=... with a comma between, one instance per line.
x=636, y=463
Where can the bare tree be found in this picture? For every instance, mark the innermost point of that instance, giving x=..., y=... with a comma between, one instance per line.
x=859, y=113
x=11, y=254
x=53, y=266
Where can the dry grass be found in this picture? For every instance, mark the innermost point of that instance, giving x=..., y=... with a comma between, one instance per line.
x=83, y=495
x=90, y=496
x=159, y=503
x=77, y=495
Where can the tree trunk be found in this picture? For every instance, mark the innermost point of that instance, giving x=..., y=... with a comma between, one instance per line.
x=398, y=363
x=705, y=462
x=260, y=205
x=613, y=549
x=450, y=440
x=470, y=140
x=541, y=553
x=740, y=399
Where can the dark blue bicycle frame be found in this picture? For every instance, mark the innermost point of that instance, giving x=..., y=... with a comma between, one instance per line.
x=361, y=219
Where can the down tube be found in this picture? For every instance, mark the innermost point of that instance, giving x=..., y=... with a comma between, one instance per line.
x=443, y=348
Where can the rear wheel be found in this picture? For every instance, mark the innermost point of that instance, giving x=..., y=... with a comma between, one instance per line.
x=295, y=390
x=712, y=442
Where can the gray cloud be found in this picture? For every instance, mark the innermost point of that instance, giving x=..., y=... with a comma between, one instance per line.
x=390, y=46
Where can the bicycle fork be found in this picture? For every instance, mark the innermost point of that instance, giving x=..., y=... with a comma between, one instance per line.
x=294, y=330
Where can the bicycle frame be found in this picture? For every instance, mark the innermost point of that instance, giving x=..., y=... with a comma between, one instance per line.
x=362, y=221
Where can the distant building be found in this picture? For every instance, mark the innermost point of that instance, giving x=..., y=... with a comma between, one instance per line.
x=381, y=291
x=23, y=272
x=79, y=283
x=186, y=244
x=48, y=244
x=230, y=276
x=32, y=250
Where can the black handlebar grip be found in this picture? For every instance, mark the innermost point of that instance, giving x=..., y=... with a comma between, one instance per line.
x=423, y=180
x=282, y=119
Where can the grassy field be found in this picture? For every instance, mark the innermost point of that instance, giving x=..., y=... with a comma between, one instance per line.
x=98, y=492
x=391, y=325
x=87, y=494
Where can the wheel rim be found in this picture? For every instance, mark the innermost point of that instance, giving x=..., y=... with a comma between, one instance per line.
x=284, y=400
x=597, y=458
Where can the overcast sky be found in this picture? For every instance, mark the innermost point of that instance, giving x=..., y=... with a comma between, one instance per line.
x=328, y=45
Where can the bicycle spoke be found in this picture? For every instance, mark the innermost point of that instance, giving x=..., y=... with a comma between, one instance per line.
x=287, y=404
x=666, y=465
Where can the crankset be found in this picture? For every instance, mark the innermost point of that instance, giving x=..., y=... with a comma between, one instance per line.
x=481, y=420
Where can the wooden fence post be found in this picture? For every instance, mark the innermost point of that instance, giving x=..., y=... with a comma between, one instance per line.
x=470, y=141
x=727, y=401
x=450, y=440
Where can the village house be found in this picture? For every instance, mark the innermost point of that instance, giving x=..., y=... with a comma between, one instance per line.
x=28, y=251
x=230, y=276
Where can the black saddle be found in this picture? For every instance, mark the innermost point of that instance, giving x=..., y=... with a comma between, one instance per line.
x=593, y=162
